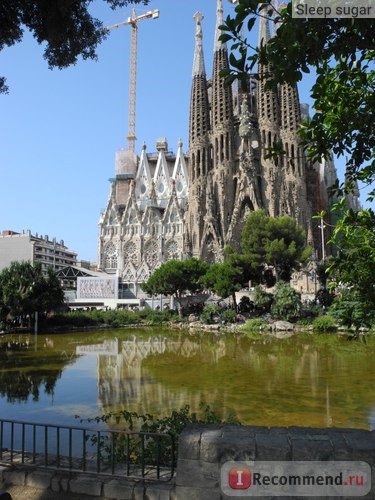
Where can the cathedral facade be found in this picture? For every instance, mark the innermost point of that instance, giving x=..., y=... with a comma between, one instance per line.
x=166, y=206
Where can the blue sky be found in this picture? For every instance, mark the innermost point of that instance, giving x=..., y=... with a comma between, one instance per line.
x=60, y=130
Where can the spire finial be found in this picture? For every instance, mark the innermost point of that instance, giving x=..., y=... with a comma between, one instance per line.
x=219, y=22
x=198, y=64
x=264, y=27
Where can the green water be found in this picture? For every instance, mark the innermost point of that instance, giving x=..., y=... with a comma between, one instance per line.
x=309, y=380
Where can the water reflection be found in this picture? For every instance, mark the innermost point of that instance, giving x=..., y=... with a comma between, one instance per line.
x=289, y=382
x=24, y=374
x=304, y=380
x=126, y=382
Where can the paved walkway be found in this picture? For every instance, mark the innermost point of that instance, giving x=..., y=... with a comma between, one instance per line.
x=26, y=493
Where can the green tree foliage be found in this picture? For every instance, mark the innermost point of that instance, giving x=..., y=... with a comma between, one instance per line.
x=24, y=290
x=325, y=324
x=249, y=267
x=210, y=314
x=176, y=277
x=65, y=27
x=224, y=279
x=287, y=302
x=341, y=52
x=274, y=241
x=262, y=299
x=353, y=268
x=324, y=297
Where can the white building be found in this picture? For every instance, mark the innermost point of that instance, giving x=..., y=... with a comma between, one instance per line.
x=33, y=248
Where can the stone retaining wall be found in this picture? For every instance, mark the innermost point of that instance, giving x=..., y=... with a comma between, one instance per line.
x=86, y=485
x=204, y=449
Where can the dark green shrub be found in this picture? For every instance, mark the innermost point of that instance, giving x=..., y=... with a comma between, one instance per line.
x=287, y=302
x=228, y=316
x=325, y=324
x=210, y=314
x=262, y=300
x=255, y=326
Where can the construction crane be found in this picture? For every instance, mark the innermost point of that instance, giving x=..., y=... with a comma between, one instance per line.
x=133, y=21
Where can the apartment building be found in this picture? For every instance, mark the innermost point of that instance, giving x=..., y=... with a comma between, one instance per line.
x=28, y=247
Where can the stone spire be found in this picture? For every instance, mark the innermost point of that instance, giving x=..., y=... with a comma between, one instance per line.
x=268, y=120
x=219, y=22
x=199, y=123
x=200, y=162
x=222, y=105
x=264, y=27
x=198, y=62
x=267, y=99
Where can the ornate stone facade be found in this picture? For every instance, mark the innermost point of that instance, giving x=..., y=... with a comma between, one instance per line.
x=143, y=223
x=164, y=206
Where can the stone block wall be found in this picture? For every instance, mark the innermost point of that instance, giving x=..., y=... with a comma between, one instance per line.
x=203, y=449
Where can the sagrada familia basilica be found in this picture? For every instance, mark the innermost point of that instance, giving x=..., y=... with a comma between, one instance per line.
x=171, y=206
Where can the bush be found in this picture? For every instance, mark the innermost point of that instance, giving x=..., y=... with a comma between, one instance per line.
x=262, y=299
x=228, y=316
x=113, y=318
x=287, y=302
x=255, y=326
x=210, y=313
x=171, y=425
x=245, y=305
x=325, y=324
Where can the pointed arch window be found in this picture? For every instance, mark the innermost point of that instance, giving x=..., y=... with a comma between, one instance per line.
x=131, y=254
x=110, y=256
x=151, y=253
x=171, y=250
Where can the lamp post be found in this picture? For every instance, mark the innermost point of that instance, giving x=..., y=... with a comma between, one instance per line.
x=322, y=227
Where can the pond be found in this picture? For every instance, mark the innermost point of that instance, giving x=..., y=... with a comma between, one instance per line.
x=308, y=380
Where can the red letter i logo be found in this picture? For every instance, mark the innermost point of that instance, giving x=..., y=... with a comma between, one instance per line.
x=239, y=478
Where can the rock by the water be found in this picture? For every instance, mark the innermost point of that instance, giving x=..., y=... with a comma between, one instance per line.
x=282, y=326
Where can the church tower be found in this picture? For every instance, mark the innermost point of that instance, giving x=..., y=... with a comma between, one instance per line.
x=200, y=153
x=212, y=148
x=222, y=134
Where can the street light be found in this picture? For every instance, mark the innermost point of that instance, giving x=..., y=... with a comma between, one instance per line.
x=322, y=227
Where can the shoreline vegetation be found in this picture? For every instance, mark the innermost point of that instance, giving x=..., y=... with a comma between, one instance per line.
x=245, y=324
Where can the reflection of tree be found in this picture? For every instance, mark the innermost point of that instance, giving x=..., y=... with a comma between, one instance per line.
x=25, y=372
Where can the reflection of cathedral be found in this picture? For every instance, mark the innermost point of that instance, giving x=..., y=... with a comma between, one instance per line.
x=168, y=206
x=125, y=381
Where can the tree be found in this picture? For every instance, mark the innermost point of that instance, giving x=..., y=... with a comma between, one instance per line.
x=353, y=267
x=24, y=290
x=224, y=279
x=65, y=26
x=274, y=241
x=176, y=277
x=262, y=299
x=287, y=302
x=341, y=52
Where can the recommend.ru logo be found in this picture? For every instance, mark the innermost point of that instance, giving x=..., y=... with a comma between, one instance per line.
x=307, y=478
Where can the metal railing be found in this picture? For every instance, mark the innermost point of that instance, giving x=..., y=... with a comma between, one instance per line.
x=138, y=455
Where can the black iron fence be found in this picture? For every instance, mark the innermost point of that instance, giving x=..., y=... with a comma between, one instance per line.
x=139, y=455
